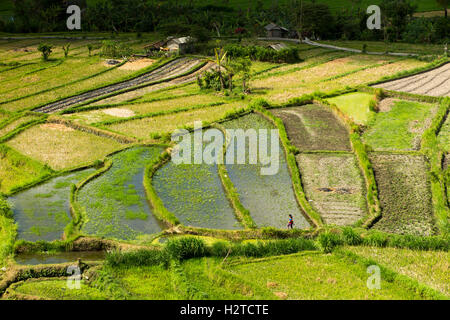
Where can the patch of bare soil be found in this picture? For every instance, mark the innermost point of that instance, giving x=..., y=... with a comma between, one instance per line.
x=119, y=112
x=137, y=64
x=106, y=64
x=386, y=105
x=57, y=127
x=281, y=295
x=23, y=49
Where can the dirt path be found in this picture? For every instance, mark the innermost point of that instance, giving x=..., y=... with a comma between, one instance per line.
x=171, y=69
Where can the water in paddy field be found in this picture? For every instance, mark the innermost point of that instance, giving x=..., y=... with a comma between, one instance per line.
x=194, y=193
x=61, y=257
x=115, y=203
x=42, y=212
x=269, y=198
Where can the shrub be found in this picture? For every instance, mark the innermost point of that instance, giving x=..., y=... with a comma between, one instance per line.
x=114, y=49
x=376, y=239
x=259, y=53
x=351, y=237
x=328, y=241
x=186, y=248
x=66, y=49
x=272, y=248
x=219, y=249
x=5, y=209
x=46, y=50
x=90, y=47
x=373, y=105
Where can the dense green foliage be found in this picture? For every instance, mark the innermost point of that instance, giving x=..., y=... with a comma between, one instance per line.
x=288, y=55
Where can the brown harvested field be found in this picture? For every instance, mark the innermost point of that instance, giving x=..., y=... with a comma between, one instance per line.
x=334, y=186
x=142, y=128
x=434, y=83
x=405, y=194
x=61, y=147
x=314, y=128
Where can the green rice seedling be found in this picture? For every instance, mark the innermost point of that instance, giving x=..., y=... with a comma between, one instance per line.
x=186, y=247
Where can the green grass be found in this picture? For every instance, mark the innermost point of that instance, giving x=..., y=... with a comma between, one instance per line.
x=428, y=267
x=318, y=276
x=7, y=237
x=18, y=170
x=58, y=290
x=147, y=283
x=355, y=105
x=401, y=128
x=380, y=46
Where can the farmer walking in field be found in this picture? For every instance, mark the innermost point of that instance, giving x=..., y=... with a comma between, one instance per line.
x=291, y=222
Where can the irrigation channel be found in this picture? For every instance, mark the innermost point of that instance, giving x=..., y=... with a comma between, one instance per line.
x=172, y=69
x=60, y=257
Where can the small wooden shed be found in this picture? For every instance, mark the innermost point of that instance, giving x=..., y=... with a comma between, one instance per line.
x=275, y=31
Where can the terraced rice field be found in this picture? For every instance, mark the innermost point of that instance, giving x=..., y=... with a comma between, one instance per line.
x=428, y=267
x=42, y=212
x=170, y=69
x=431, y=83
x=194, y=193
x=56, y=289
x=17, y=170
x=355, y=105
x=142, y=128
x=401, y=127
x=314, y=128
x=405, y=196
x=444, y=135
x=178, y=80
x=316, y=276
x=334, y=186
x=115, y=203
x=269, y=198
x=11, y=126
x=139, y=109
x=62, y=147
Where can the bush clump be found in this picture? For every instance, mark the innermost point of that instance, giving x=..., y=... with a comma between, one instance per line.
x=186, y=248
x=328, y=241
x=288, y=55
x=138, y=258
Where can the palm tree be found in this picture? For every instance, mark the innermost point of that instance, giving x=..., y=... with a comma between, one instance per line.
x=220, y=59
